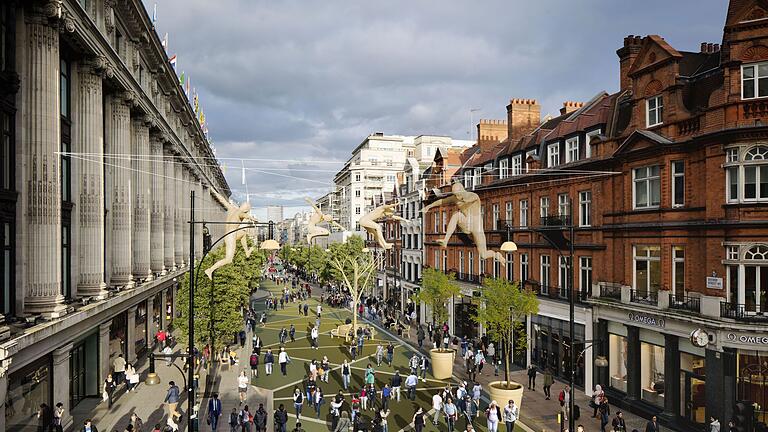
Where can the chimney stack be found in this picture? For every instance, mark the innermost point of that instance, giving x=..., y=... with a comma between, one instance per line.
x=494, y=131
x=709, y=48
x=523, y=116
x=570, y=106
x=627, y=55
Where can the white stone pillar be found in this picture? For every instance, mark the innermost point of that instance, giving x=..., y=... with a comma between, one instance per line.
x=151, y=326
x=3, y=390
x=130, y=336
x=169, y=201
x=119, y=143
x=61, y=382
x=41, y=208
x=89, y=133
x=186, y=186
x=199, y=216
x=104, y=365
x=141, y=196
x=163, y=310
x=178, y=250
x=157, y=215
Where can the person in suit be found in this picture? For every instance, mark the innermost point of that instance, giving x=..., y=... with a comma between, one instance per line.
x=214, y=411
x=652, y=426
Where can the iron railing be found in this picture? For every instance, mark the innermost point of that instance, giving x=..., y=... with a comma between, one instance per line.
x=743, y=312
x=556, y=221
x=684, y=302
x=649, y=298
x=610, y=291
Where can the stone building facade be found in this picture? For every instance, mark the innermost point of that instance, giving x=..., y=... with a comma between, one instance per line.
x=100, y=150
x=665, y=182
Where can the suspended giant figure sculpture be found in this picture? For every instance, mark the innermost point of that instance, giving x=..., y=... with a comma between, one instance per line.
x=368, y=222
x=318, y=217
x=468, y=219
x=236, y=217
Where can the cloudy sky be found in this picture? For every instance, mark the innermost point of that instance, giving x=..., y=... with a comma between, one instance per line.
x=283, y=82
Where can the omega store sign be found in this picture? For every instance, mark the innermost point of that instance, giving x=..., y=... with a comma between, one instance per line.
x=755, y=340
x=648, y=320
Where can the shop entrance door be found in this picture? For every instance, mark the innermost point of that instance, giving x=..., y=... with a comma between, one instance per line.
x=77, y=385
x=694, y=399
x=463, y=321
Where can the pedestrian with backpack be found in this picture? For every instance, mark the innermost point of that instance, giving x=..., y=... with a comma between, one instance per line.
x=254, y=362
x=233, y=423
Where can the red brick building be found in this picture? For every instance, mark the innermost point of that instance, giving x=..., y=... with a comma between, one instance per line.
x=666, y=184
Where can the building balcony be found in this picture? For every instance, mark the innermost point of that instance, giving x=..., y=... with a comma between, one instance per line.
x=685, y=302
x=469, y=278
x=502, y=224
x=611, y=292
x=648, y=298
x=556, y=221
x=742, y=312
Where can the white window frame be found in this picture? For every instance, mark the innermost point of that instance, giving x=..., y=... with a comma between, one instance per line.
x=562, y=273
x=509, y=212
x=544, y=206
x=437, y=259
x=545, y=268
x=517, y=165
x=647, y=180
x=461, y=263
x=677, y=175
x=563, y=204
x=471, y=261
x=496, y=215
x=510, y=266
x=478, y=178
x=585, y=267
x=553, y=155
x=647, y=258
x=756, y=77
x=357, y=177
x=523, y=213
x=657, y=110
x=585, y=208
x=572, y=149
x=445, y=259
x=445, y=220
x=468, y=177
x=503, y=169
x=677, y=259
x=524, y=267
x=588, y=144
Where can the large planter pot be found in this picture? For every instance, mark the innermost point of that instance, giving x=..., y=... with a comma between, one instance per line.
x=442, y=363
x=498, y=391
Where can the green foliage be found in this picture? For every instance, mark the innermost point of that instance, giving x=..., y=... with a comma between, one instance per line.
x=437, y=288
x=503, y=306
x=229, y=290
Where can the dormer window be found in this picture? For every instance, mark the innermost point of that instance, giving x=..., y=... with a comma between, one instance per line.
x=553, y=154
x=572, y=149
x=754, y=80
x=517, y=165
x=654, y=111
x=503, y=168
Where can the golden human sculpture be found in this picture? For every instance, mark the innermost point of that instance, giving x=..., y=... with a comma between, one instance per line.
x=318, y=217
x=236, y=217
x=468, y=219
x=370, y=224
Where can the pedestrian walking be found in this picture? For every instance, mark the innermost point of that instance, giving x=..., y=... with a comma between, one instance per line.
x=109, y=389
x=172, y=400
x=281, y=419
x=396, y=382
x=44, y=418
x=492, y=417
x=319, y=400
x=242, y=387
x=423, y=365
x=410, y=384
x=437, y=406
x=314, y=334
x=532, y=378
x=379, y=354
x=118, y=366
x=477, y=390
x=214, y=411
x=418, y=420
x=548, y=381
x=58, y=414
x=131, y=378
x=257, y=344
x=269, y=360
x=246, y=419
x=298, y=402
x=390, y=353
x=234, y=422
x=283, y=359
x=254, y=363
x=386, y=394
x=344, y=424
x=292, y=333
x=260, y=419
x=345, y=374
x=619, y=425
x=88, y=426
x=511, y=414
x=451, y=413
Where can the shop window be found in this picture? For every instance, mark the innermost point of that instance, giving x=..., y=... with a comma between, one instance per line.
x=652, y=373
x=618, y=362
x=752, y=381
x=27, y=389
x=693, y=399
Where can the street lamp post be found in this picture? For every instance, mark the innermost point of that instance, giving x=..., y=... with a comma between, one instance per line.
x=510, y=246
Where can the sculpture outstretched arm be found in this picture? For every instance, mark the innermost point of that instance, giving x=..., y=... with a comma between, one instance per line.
x=221, y=199
x=396, y=217
x=333, y=222
x=312, y=203
x=441, y=201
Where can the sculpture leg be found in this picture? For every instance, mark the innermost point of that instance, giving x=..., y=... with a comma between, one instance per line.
x=456, y=219
x=379, y=234
x=479, y=237
x=244, y=242
x=230, y=244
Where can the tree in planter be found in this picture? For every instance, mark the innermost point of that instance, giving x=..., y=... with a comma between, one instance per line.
x=503, y=305
x=347, y=263
x=437, y=288
x=219, y=300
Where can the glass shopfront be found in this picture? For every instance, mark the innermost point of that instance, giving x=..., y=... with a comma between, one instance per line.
x=118, y=331
x=140, y=329
x=752, y=380
x=169, y=304
x=84, y=369
x=27, y=389
x=618, y=361
x=652, y=373
x=551, y=343
x=464, y=309
x=692, y=387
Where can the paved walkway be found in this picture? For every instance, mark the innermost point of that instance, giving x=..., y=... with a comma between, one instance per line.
x=147, y=401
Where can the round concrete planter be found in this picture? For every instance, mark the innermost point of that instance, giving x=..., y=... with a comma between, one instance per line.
x=442, y=363
x=498, y=391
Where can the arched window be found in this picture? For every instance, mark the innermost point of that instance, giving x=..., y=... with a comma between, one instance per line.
x=757, y=153
x=747, y=177
x=758, y=252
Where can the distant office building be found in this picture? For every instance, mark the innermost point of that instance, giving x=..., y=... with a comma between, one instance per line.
x=275, y=213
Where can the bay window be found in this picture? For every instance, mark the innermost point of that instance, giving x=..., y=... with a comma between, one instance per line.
x=754, y=80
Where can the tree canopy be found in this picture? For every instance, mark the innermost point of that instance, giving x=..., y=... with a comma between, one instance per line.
x=437, y=288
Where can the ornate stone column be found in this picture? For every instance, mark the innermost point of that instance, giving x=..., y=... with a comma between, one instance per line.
x=121, y=202
x=6, y=364
x=89, y=132
x=41, y=168
x=163, y=311
x=200, y=210
x=169, y=200
x=141, y=195
x=104, y=361
x=151, y=326
x=187, y=185
x=61, y=380
x=130, y=336
x=178, y=249
x=157, y=212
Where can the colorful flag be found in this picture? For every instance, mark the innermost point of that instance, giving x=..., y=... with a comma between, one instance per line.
x=165, y=42
x=181, y=79
x=173, y=61
x=187, y=89
x=154, y=14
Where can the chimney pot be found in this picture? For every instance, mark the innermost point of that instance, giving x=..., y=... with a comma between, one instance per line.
x=703, y=47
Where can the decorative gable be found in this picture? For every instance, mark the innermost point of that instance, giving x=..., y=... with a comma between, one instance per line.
x=741, y=11
x=655, y=51
x=641, y=140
